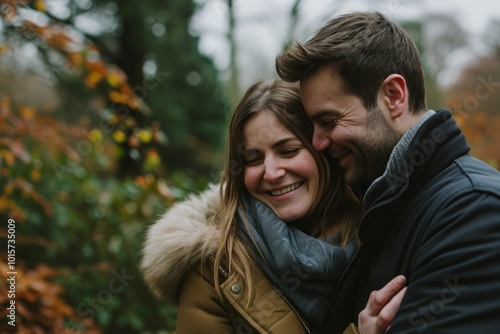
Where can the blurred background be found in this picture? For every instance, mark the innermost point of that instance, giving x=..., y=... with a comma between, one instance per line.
x=110, y=111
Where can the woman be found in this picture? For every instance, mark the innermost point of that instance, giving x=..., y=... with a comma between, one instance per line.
x=263, y=253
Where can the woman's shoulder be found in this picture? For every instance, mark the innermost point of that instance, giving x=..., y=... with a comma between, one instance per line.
x=269, y=311
x=180, y=238
x=201, y=308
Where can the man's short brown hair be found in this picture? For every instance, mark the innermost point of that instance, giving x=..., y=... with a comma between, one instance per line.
x=363, y=48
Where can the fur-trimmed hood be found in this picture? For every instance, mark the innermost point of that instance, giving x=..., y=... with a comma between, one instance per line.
x=175, y=242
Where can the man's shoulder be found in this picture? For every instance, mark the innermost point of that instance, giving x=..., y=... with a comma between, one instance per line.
x=467, y=184
x=465, y=175
x=482, y=177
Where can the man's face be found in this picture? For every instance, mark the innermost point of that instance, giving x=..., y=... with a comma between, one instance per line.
x=360, y=140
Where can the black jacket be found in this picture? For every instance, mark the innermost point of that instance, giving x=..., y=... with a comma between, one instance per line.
x=436, y=220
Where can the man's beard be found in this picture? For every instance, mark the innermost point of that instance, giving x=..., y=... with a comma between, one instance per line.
x=379, y=141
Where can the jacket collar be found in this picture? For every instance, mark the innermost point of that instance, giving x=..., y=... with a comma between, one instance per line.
x=397, y=172
x=425, y=150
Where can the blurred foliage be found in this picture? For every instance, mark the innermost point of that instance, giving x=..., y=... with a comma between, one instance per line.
x=159, y=52
x=474, y=99
x=167, y=80
x=84, y=164
x=86, y=87
x=435, y=36
x=79, y=230
x=475, y=96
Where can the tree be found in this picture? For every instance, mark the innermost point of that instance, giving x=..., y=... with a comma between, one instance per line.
x=492, y=37
x=436, y=36
x=71, y=121
x=188, y=101
x=474, y=99
x=152, y=43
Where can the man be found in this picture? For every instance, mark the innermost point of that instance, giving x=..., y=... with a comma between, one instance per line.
x=431, y=210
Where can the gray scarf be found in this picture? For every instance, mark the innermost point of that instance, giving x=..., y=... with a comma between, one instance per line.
x=396, y=174
x=306, y=269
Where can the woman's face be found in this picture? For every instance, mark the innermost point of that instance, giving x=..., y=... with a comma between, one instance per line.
x=278, y=169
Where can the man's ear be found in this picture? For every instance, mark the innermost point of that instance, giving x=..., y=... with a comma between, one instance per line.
x=394, y=95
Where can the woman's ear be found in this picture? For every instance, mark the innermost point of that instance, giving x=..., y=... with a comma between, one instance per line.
x=394, y=95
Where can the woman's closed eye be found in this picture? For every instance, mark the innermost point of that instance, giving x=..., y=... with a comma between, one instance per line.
x=290, y=152
x=251, y=160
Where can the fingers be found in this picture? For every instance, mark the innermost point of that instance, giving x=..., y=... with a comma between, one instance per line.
x=382, y=307
x=387, y=314
x=379, y=299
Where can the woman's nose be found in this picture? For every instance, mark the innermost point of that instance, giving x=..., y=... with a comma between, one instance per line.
x=273, y=170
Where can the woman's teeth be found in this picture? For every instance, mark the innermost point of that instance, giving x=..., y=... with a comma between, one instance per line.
x=286, y=190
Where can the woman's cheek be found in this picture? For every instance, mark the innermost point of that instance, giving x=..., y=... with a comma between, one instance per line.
x=249, y=178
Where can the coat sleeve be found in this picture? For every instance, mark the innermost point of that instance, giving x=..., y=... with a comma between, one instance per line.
x=200, y=308
x=351, y=329
x=454, y=286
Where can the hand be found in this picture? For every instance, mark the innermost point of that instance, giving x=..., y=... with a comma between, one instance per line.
x=382, y=306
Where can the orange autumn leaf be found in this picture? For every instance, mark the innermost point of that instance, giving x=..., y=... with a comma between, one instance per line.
x=96, y=66
x=32, y=27
x=92, y=79
x=75, y=59
x=117, y=97
x=35, y=174
x=27, y=112
x=8, y=157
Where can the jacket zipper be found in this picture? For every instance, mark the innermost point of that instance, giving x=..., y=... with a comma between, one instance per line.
x=349, y=265
x=297, y=313
x=362, y=222
x=222, y=271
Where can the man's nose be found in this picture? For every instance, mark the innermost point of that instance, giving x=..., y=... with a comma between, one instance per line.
x=320, y=141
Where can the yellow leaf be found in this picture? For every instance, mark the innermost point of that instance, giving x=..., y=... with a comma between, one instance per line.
x=119, y=136
x=40, y=5
x=113, y=79
x=129, y=122
x=93, y=78
x=145, y=135
x=95, y=136
x=27, y=113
